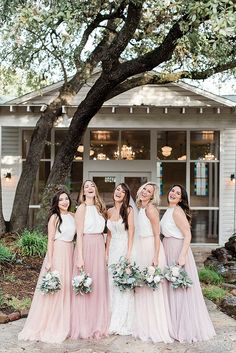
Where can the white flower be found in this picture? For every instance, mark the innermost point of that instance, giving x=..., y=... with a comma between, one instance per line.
x=151, y=270
x=48, y=276
x=157, y=279
x=88, y=282
x=80, y=278
x=175, y=271
x=150, y=279
x=55, y=273
x=173, y=279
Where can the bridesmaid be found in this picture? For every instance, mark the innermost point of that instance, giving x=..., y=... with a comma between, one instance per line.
x=152, y=321
x=90, y=312
x=119, y=243
x=190, y=319
x=49, y=315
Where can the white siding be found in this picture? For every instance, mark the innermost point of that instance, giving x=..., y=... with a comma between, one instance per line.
x=10, y=162
x=228, y=192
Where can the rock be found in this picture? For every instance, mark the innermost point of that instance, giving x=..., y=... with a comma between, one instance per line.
x=233, y=292
x=25, y=312
x=222, y=254
x=228, y=305
x=14, y=316
x=231, y=244
x=228, y=286
x=3, y=318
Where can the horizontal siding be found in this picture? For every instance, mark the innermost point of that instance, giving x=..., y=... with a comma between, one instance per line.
x=228, y=165
x=10, y=162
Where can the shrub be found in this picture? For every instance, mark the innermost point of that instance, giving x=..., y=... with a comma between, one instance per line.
x=5, y=254
x=19, y=304
x=214, y=293
x=32, y=243
x=2, y=298
x=209, y=276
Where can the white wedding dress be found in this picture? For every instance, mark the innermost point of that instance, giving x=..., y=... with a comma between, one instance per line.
x=122, y=303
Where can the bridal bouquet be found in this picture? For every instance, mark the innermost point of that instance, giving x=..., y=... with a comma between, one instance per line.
x=82, y=284
x=152, y=277
x=177, y=276
x=126, y=275
x=50, y=282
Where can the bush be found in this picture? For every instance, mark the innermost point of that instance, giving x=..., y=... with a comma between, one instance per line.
x=209, y=276
x=19, y=304
x=32, y=243
x=214, y=293
x=2, y=298
x=5, y=254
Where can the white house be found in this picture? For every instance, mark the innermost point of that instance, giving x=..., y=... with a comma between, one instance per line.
x=172, y=133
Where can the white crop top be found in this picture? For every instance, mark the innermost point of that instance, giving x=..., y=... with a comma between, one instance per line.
x=168, y=226
x=94, y=222
x=144, y=225
x=67, y=228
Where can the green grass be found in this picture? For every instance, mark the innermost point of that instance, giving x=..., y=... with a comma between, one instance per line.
x=32, y=243
x=209, y=276
x=214, y=293
x=19, y=304
x=6, y=255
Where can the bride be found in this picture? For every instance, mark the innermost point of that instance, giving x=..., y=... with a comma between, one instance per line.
x=119, y=243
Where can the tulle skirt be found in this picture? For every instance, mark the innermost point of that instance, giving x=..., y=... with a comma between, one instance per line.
x=189, y=315
x=152, y=318
x=49, y=315
x=90, y=312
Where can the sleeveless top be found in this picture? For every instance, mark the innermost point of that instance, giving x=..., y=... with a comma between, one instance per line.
x=144, y=225
x=67, y=228
x=168, y=226
x=94, y=222
x=117, y=229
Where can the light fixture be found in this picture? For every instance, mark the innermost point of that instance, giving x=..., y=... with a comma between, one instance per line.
x=80, y=149
x=182, y=158
x=101, y=156
x=91, y=152
x=208, y=135
x=166, y=150
x=8, y=176
x=232, y=177
x=209, y=157
x=125, y=153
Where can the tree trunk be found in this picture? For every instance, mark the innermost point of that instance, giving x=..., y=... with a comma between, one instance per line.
x=2, y=221
x=29, y=170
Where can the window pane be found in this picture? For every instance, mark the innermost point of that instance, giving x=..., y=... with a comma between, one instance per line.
x=135, y=145
x=134, y=184
x=106, y=186
x=204, y=145
x=104, y=144
x=171, y=145
x=205, y=226
x=204, y=187
x=172, y=173
x=26, y=138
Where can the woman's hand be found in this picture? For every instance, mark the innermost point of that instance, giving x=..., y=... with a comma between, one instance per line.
x=128, y=258
x=48, y=266
x=155, y=261
x=106, y=258
x=80, y=263
x=181, y=261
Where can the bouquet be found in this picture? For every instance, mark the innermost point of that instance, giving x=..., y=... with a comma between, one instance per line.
x=152, y=277
x=50, y=282
x=82, y=284
x=126, y=275
x=177, y=276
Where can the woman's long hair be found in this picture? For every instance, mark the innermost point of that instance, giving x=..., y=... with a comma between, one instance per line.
x=98, y=201
x=155, y=200
x=125, y=207
x=55, y=208
x=184, y=201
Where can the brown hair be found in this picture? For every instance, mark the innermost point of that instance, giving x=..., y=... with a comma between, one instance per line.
x=184, y=201
x=98, y=201
x=55, y=208
x=125, y=207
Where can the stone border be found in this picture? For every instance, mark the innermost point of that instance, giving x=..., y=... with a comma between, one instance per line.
x=16, y=315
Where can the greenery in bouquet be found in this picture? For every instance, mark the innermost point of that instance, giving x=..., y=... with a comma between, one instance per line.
x=50, y=282
x=82, y=284
x=152, y=277
x=126, y=275
x=177, y=276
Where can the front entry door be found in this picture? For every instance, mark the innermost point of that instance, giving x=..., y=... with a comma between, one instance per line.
x=107, y=181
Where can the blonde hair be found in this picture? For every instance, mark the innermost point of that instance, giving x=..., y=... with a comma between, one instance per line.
x=155, y=200
x=98, y=201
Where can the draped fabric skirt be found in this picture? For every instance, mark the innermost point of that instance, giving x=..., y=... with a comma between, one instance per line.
x=49, y=315
x=189, y=315
x=90, y=312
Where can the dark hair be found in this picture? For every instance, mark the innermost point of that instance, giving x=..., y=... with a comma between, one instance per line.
x=55, y=208
x=184, y=201
x=125, y=207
